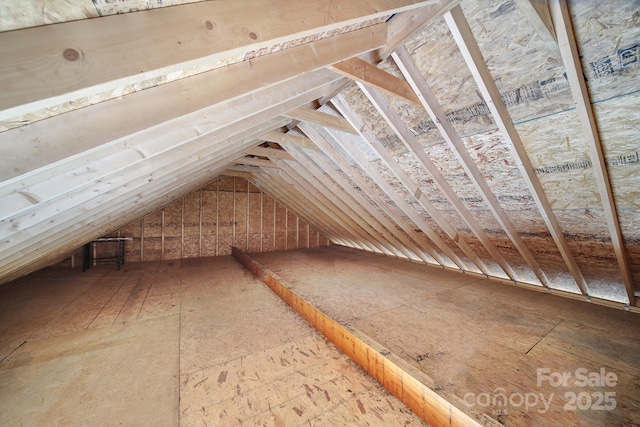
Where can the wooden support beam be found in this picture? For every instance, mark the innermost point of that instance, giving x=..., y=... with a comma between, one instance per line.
x=390, y=371
x=398, y=199
x=471, y=52
x=286, y=138
x=400, y=27
x=325, y=184
x=271, y=153
x=240, y=174
x=406, y=24
x=320, y=118
x=314, y=161
x=573, y=67
x=451, y=136
x=368, y=74
x=252, y=161
x=332, y=206
x=421, y=246
x=49, y=65
x=412, y=144
x=411, y=187
x=43, y=143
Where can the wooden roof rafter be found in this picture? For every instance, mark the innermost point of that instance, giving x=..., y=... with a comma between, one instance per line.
x=471, y=52
x=453, y=139
x=341, y=105
x=573, y=67
x=421, y=245
x=69, y=60
x=327, y=184
x=399, y=200
x=370, y=189
x=403, y=132
x=344, y=208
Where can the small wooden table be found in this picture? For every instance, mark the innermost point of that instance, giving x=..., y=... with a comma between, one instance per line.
x=87, y=252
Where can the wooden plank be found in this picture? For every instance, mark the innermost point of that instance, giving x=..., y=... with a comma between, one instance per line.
x=466, y=42
x=322, y=119
x=332, y=207
x=406, y=24
x=451, y=136
x=53, y=64
x=378, y=361
x=286, y=138
x=400, y=28
x=325, y=223
x=43, y=143
x=386, y=229
x=575, y=75
x=252, y=161
x=346, y=203
x=271, y=153
x=241, y=174
x=368, y=188
x=363, y=72
x=412, y=188
x=414, y=146
x=399, y=200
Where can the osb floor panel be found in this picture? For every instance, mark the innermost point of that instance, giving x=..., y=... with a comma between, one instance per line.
x=482, y=342
x=191, y=343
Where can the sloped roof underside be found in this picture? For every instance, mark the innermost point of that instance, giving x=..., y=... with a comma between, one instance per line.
x=459, y=134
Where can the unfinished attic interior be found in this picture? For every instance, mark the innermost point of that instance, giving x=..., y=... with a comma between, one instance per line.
x=363, y=212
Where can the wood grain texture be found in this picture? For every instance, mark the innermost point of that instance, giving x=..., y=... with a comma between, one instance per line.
x=390, y=371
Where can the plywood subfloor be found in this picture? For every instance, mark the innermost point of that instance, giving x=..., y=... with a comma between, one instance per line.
x=191, y=343
x=482, y=342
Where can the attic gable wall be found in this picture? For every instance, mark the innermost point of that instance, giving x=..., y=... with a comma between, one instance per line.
x=229, y=211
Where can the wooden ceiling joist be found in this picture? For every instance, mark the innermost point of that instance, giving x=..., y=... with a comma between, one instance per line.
x=320, y=118
x=471, y=52
x=288, y=139
x=271, y=153
x=363, y=72
x=421, y=245
x=405, y=135
x=71, y=60
x=412, y=188
x=575, y=75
